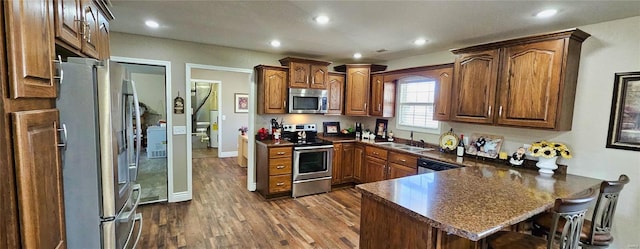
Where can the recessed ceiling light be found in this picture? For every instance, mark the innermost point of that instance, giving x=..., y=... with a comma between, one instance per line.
x=275, y=43
x=420, y=41
x=546, y=13
x=152, y=24
x=322, y=19
x=357, y=55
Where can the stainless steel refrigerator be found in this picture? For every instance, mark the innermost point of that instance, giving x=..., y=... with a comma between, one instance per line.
x=99, y=109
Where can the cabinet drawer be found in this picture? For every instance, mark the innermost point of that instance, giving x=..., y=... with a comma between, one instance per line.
x=376, y=152
x=279, y=166
x=280, y=152
x=403, y=159
x=279, y=183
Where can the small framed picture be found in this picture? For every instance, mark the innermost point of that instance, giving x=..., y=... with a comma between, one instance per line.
x=381, y=128
x=241, y=102
x=624, y=122
x=331, y=128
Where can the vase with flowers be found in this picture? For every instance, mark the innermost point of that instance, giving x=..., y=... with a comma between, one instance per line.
x=547, y=154
x=243, y=130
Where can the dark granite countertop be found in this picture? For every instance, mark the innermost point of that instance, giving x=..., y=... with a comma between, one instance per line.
x=272, y=143
x=474, y=202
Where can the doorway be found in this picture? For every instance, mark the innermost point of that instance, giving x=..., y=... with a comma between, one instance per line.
x=205, y=120
x=151, y=83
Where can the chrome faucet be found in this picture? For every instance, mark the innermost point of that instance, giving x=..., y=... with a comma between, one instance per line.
x=411, y=136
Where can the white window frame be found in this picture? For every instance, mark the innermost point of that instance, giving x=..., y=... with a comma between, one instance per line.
x=421, y=129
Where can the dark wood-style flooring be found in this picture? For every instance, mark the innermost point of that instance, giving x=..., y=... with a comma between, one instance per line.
x=224, y=214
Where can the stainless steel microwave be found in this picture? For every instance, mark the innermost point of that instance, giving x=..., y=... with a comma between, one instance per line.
x=302, y=100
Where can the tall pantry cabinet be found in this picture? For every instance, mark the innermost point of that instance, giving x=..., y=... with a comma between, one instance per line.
x=31, y=194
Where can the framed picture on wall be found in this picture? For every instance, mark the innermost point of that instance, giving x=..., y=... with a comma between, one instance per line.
x=624, y=122
x=241, y=102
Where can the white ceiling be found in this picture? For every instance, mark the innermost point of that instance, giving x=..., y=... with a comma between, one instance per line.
x=357, y=26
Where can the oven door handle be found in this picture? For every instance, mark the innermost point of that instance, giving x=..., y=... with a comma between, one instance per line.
x=313, y=148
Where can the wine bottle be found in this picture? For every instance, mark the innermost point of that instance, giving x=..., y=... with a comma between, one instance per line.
x=460, y=151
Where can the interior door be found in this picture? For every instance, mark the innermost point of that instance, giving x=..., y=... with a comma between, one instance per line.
x=39, y=179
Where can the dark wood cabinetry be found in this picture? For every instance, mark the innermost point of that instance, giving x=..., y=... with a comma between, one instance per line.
x=343, y=160
x=305, y=73
x=381, y=164
x=358, y=163
x=383, y=97
x=442, y=100
x=375, y=169
x=89, y=28
x=273, y=169
x=335, y=88
x=336, y=166
x=68, y=22
x=272, y=89
x=81, y=27
x=103, y=37
x=524, y=82
x=357, y=90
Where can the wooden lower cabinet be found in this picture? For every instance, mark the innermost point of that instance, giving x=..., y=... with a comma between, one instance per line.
x=397, y=171
x=380, y=164
x=358, y=163
x=342, y=167
x=375, y=169
x=336, y=167
x=383, y=226
x=273, y=170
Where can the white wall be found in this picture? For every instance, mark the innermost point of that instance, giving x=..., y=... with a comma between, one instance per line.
x=613, y=47
x=151, y=92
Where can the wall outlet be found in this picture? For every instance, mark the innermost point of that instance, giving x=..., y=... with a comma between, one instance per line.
x=179, y=130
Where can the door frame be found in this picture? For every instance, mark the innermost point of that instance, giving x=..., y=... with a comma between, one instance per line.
x=219, y=90
x=251, y=179
x=169, y=105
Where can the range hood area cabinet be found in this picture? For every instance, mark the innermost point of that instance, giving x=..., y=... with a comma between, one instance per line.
x=272, y=89
x=524, y=82
x=305, y=73
x=335, y=89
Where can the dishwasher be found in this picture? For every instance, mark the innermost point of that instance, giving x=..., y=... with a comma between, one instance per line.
x=426, y=165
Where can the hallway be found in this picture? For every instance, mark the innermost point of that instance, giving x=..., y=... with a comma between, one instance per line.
x=223, y=214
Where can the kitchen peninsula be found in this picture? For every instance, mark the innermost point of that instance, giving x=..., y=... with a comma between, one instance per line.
x=457, y=208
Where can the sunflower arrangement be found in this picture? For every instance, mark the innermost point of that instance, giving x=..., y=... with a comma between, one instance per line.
x=549, y=150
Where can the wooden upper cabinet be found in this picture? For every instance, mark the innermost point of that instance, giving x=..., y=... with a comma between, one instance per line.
x=30, y=49
x=68, y=22
x=39, y=179
x=104, y=51
x=357, y=90
x=90, y=30
x=272, y=89
x=305, y=73
x=335, y=88
x=474, y=90
x=442, y=100
x=535, y=87
x=383, y=97
x=530, y=84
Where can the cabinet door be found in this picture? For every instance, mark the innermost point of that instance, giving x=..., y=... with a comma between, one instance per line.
x=530, y=84
x=347, y=162
x=475, y=87
x=90, y=32
x=103, y=32
x=275, y=91
x=357, y=95
x=336, y=91
x=299, y=75
x=319, y=77
x=375, y=169
x=68, y=22
x=30, y=48
x=377, y=87
x=397, y=171
x=358, y=161
x=39, y=179
x=442, y=100
x=336, y=170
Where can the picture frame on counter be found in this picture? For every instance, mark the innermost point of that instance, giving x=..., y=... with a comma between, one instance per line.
x=241, y=102
x=624, y=120
x=381, y=128
x=331, y=128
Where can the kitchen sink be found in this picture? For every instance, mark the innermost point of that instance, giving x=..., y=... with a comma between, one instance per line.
x=393, y=145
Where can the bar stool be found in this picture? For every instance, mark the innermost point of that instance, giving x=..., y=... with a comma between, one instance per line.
x=570, y=211
x=596, y=233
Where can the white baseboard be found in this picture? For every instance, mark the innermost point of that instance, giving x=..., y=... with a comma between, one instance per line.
x=180, y=196
x=229, y=154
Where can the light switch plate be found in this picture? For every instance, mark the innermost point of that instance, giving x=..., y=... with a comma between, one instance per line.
x=179, y=130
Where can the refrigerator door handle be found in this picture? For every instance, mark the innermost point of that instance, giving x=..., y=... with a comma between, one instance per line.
x=133, y=168
x=127, y=215
x=138, y=218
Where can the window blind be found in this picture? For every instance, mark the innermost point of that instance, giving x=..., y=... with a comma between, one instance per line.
x=416, y=104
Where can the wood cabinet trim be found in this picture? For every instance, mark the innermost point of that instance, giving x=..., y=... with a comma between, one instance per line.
x=573, y=34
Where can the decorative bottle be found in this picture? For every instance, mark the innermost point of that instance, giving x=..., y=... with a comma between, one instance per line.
x=460, y=149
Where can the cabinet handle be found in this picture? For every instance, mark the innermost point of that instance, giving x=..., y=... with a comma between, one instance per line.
x=375, y=153
x=280, y=184
x=365, y=106
x=280, y=167
x=313, y=80
x=63, y=141
x=402, y=160
x=489, y=112
x=284, y=104
x=281, y=153
x=61, y=77
x=307, y=81
x=500, y=112
x=379, y=107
